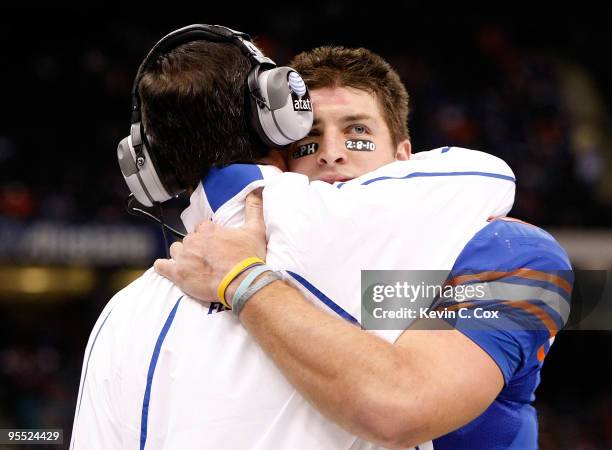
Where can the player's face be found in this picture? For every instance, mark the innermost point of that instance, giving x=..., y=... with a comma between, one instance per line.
x=349, y=137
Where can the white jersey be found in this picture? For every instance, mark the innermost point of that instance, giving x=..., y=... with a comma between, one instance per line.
x=164, y=371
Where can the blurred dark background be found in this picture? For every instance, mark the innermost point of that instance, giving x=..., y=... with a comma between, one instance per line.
x=533, y=87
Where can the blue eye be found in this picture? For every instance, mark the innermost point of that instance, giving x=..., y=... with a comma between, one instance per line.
x=359, y=129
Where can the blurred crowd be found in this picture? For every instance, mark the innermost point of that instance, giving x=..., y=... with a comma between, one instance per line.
x=540, y=111
x=67, y=106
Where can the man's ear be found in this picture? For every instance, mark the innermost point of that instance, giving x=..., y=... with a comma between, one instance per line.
x=403, y=150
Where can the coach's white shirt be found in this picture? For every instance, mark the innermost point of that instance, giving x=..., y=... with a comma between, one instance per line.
x=164, y=371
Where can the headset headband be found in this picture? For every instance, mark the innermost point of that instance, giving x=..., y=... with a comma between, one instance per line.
x=278, y=109
x=213, y=33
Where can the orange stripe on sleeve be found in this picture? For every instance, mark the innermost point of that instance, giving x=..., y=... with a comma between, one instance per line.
x=542, y=315
x=535, y=310
x=456, y=306
x=541, y=354
x=529, y=274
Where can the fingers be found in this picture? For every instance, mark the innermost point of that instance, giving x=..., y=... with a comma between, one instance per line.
x=166, y=268
x=253, y=211
x=204, y=227
x=175, y=250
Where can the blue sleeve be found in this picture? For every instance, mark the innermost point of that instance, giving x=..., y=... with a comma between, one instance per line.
x=521, y=282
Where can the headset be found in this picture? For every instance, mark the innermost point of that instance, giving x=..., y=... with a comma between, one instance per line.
x=279, y=110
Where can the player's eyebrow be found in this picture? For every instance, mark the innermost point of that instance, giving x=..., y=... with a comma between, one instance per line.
x=357, y=118
x=348, y=119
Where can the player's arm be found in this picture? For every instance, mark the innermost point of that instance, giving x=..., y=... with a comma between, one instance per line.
x=427, y=384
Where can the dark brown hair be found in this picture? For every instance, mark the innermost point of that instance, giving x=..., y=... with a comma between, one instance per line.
x=358, y=68
x=194, y=109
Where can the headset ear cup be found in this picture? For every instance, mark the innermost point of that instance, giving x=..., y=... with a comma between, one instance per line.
x=256, y=104
x=142, y=178
x=127, y=162
x=131, y=172
x=287, y=116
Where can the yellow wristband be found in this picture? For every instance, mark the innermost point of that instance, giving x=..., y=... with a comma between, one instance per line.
x=236, y=270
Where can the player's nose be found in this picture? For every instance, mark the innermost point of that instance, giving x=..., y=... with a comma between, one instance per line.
x=331, y=151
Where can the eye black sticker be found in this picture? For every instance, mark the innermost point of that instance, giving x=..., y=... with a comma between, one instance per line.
x=360, y=145
x=305, y=150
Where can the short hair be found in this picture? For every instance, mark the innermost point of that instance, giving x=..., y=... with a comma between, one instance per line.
x=194, y=109
x=359, y=68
